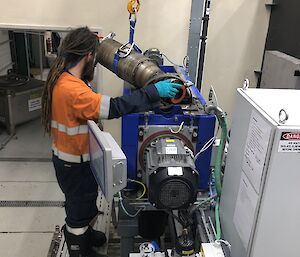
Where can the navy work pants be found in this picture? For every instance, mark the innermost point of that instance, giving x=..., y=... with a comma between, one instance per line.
x=77, y=182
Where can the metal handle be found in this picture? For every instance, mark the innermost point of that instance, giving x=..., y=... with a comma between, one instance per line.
x=124, y=51
x=118, y=163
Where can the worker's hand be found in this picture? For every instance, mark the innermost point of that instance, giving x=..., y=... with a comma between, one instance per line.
x=167, y=89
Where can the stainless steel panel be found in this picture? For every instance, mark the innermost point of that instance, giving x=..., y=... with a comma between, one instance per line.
x=15, y=107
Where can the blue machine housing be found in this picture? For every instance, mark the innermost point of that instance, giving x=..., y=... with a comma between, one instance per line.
x=204, y=122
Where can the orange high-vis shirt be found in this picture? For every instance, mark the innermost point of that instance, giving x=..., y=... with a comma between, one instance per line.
x=73, y=103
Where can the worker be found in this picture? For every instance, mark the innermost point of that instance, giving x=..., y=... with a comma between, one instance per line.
x=67, y=103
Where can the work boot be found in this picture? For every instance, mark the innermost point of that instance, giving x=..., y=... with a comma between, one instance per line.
x=78, y=245
x=97, y=238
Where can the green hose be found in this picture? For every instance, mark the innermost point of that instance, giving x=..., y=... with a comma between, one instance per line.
x=217, y=170
x=219, y=158
x=217, y=217
x=221, y=116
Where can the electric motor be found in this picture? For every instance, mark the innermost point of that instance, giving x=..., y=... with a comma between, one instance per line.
x=171, y=175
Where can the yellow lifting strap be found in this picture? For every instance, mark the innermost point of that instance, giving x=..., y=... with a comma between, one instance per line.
x=133, y=6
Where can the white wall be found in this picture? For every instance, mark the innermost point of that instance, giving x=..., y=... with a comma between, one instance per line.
x=235, y=45
x=236, y=36
x=163, y=24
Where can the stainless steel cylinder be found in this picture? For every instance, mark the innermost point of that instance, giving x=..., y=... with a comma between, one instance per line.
x=136, y=69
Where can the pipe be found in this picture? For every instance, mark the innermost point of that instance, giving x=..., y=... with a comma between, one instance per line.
x=219, y=157
x=135, y=68
x=217, y=217
x=221, y=116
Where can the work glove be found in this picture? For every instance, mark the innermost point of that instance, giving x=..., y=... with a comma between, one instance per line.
x=167, y=89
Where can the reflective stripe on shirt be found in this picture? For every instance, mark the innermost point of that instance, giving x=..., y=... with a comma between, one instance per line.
x=104, y=107
x=81, y=129
x=70, y=157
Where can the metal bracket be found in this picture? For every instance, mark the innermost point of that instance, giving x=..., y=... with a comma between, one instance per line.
x=212, y=96
x=111, y=35
x=54, y=249
x=271, y=3
x=246, y=84
x=124, y=51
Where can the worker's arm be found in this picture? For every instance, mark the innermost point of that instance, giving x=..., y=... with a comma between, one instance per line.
x=88, y=105
x=140, y=100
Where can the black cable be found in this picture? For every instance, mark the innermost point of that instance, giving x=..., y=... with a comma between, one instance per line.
x=175, y=217
x=172, y=231
x=185, y=218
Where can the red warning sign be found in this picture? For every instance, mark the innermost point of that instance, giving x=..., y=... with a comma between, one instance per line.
x=289, y=142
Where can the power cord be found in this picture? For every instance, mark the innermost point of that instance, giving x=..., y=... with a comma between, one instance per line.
x=124, y=209
x=179, y=129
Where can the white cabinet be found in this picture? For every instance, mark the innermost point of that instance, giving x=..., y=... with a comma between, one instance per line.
x=260, y=213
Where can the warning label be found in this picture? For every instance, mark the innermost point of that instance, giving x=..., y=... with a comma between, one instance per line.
x=289, y=142
x=34, y=104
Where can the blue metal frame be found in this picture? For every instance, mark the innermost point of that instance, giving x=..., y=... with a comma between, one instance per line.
x=204, y=122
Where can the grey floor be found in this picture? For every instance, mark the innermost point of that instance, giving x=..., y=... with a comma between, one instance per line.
x=28, y=143
x=26, y=174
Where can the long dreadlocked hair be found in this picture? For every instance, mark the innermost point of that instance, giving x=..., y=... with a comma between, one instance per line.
x=76, y=45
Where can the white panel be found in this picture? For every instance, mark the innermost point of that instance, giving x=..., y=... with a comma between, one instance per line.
x=233, y=171
x=278, y=221
x=273, y=100
x=275, y=230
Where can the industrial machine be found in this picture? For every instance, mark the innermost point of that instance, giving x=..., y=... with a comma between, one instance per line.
x=168, y=150
x=207, y=250
x=258, y=215
x=168, y=153
x=20, y=100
